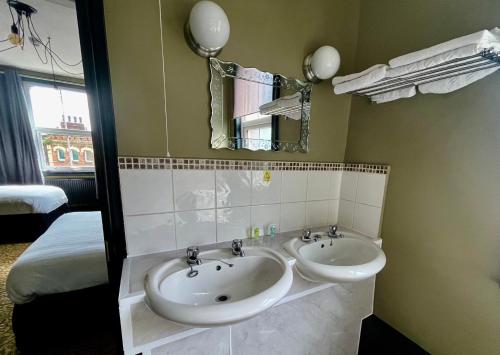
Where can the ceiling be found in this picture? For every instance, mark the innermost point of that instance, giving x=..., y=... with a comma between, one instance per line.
x=55, y=18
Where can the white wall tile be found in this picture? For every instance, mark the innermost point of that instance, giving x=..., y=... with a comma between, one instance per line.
x=349, y=185
x=293, y=216
x=266, y=193
x=294, y=186
x=146, y=191
x=371, y=188
x=316, y=214
x=194, y=189
x=147, y=234
x=335, y=183
x=195, y=228
x=333, y=212
x=319, y=185
x=264, y=215
x=233, y=223
x=367, y=219
x=233, y=188
x=346, y=213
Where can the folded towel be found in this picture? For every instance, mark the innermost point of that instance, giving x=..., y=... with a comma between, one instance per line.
x=482, y=39
x=290, y=106
x=440, y=59
x=444, y=86
x=394, y=95
x=342, y=79
x=371, y=76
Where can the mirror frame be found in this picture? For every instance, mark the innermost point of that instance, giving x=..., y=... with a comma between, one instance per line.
x=219, y=70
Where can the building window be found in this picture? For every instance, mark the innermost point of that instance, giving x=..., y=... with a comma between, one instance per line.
x=75, y=154
x=60, y=118
x=61, y=154
x=89, y=156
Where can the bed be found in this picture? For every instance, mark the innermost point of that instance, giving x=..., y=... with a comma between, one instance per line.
x=69, y=256
x=26, y=211
x=59, y=284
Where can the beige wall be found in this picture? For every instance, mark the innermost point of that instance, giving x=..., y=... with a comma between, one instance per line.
x=441, y=225
x=271, y=35
x=134, y=49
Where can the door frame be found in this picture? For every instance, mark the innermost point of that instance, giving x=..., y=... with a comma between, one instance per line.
x=92, y=31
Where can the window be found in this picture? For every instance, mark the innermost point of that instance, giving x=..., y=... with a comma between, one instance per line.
x=61, y=154
x=61, y=125
x=256, y=132
x=75, y=154
x=89, y=155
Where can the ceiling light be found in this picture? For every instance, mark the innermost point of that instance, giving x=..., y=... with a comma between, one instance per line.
x=14, y=37
x=207, y=30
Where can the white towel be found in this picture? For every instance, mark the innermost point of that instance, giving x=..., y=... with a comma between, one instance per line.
x=482, y=39
x=454, y=83
x=342, y=79
x=290, y=106
x=442, y=58
x=360, y=81
x=394, y=95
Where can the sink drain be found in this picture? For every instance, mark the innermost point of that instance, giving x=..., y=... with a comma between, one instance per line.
x=222, y=298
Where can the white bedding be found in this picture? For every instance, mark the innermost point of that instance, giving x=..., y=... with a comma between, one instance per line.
x=69, y=256
x=24, y=199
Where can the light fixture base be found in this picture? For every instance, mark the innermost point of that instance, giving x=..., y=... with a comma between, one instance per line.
x=21, y=8
x=196, y=47
x=307, y=70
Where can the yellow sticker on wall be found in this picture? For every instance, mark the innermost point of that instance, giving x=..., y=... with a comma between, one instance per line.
x=267, y=176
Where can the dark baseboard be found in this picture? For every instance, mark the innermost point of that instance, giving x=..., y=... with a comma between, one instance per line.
x=378, y=337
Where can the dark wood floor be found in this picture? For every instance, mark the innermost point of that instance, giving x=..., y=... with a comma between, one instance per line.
x=377, y=337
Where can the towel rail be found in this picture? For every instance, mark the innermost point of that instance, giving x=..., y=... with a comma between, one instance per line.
x=487, y=58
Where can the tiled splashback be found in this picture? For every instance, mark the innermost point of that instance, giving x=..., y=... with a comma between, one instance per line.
x=173, y=203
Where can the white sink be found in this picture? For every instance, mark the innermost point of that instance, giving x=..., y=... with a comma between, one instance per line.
x=218, y=294
x=347, y=259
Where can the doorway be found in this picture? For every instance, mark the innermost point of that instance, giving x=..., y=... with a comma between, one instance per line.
x=57, y=49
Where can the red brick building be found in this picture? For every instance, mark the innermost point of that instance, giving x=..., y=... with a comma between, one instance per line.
x=69, y=146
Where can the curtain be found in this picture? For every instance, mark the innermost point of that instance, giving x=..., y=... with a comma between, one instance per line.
x=251, y=91
x=18, y=157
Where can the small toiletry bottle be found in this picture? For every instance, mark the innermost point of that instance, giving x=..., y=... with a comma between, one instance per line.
x=256, y=233
x=272, y=230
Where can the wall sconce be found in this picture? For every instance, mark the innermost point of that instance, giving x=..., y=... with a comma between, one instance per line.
x=322, y=64
x=207, y=29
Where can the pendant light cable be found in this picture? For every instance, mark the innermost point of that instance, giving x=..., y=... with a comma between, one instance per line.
x=164, y=77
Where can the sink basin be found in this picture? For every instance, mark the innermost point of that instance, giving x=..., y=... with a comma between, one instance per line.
x=219, y=294
x=347, y=259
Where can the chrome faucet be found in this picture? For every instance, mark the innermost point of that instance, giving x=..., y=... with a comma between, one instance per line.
x=332, y=232
x=193, y=259
x=306, y=236
x=237, y=247
x=192, y=256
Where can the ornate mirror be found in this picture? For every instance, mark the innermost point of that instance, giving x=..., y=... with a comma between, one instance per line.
x=257, y=110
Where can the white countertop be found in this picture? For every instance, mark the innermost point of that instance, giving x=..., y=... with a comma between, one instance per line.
x=148, y=330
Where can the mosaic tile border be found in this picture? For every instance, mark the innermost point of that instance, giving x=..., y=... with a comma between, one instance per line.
x=138, y=163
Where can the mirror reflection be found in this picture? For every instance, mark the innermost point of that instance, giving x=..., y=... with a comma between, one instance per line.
x=257, y=110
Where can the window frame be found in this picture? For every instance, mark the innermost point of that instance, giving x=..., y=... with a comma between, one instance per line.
x=60, y=149
x=91, y=152
x=28, y=83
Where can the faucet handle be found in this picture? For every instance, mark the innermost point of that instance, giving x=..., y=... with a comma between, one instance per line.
x=237, y=244
x=306, y=233
x=192, y=252
x=333, y=230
